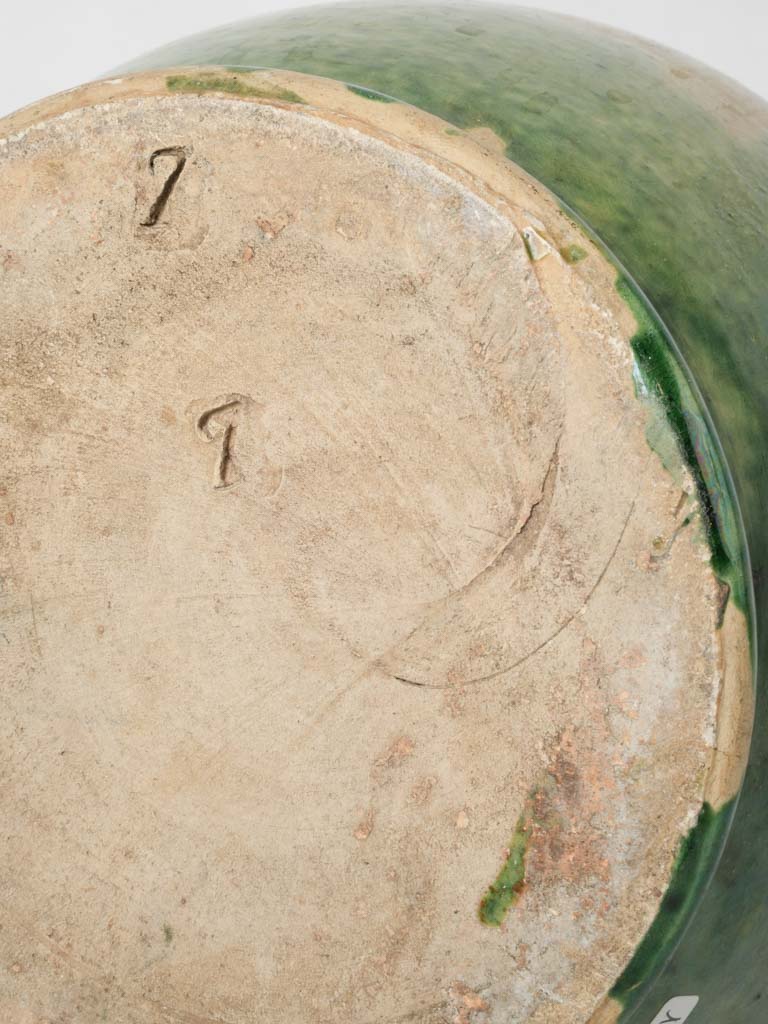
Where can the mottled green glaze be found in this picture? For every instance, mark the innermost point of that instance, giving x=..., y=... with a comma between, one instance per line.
x=228, y=83
x=509, y=883
x=369, y=94
x=573, y=253
x=667, y=163
x=664, y=383
x=692, y=868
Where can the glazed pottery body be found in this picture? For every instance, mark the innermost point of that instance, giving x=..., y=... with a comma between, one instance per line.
x=660, y=170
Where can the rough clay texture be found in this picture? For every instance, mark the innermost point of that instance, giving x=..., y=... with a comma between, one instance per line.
x=330, y=534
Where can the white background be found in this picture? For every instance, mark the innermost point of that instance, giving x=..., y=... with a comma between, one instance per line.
x=49, y=45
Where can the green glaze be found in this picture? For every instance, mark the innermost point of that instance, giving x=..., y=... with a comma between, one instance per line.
x=369, y=94
x=573, y=253
x=230, y=83
x=667, y=163
x=505, y=891
x=693, y=866
x=664, y=383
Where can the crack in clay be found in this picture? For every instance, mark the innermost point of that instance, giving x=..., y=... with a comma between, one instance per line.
x=185, y=1016
x=549, y=477
x=339, y=569
x=526, y=657
x=546, y=491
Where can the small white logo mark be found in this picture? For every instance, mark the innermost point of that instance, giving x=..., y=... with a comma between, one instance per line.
x=676, y=1010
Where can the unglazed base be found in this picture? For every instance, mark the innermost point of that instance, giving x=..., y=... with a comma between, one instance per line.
x=337, y=568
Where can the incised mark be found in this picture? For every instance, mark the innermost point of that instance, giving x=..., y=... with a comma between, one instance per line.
x=220, y=421
x=159, y=205
x=544, y=643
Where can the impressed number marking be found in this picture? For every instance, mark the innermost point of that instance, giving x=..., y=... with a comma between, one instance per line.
x=220, y=423
x=160, y=203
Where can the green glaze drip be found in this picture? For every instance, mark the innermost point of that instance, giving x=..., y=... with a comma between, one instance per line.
x=168, y=933
x=695, y=860
x=233, y=84
x=573, y=253
x=505, y=891
x=665, y=383
x=369, y=94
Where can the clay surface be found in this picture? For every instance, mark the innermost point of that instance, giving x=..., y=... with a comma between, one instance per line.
x=332, y=548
